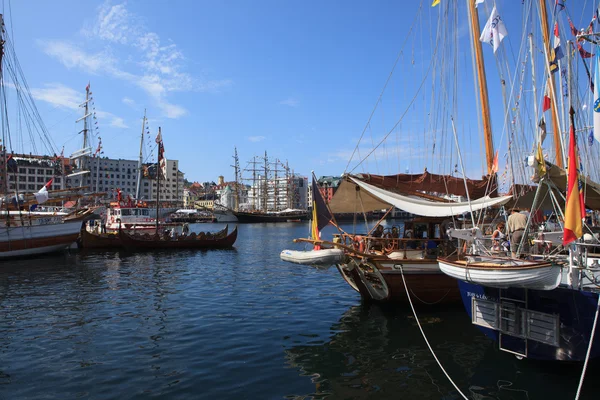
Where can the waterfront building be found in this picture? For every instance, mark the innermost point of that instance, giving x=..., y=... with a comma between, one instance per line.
x=28, y=172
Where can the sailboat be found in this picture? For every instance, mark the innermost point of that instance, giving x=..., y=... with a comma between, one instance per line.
x=554, y=319
x=26, y=230
x=270, y=197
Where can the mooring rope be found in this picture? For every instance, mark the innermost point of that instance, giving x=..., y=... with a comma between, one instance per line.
x=589, y=350
x=425, y=337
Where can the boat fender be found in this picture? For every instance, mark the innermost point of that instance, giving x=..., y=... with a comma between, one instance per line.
x=358, y=243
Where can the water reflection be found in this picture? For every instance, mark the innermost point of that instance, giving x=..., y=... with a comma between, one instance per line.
x=374, y=352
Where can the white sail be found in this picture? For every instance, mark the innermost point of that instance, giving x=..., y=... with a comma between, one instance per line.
x=416, y=205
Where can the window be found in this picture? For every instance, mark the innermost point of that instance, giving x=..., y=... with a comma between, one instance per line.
x=22, y=170
x=31, y=179
x=31, y=171
x=57, y=180
x=145, y=183
x=112, y=175
x=31, y=187
x=11, y=177
x=22, y=186
x=145, y=190
x=22, y=179
x=41, y=179
x=40, y=171
x=118, y=176
x=49, y=172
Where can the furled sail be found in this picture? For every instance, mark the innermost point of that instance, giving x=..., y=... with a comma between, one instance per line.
x=353, y=195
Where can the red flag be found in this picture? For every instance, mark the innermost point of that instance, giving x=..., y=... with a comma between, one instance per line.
x=87, y=87
x=574, y=208
x=583, y=52
x=47, y=185
x=546, y=105
x=495, y=163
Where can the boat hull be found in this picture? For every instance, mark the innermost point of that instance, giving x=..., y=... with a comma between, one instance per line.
x=504, y=273
x=573, y=310
x=193, y=241
x=250, y=218
x=37, y=239
x=383, y=281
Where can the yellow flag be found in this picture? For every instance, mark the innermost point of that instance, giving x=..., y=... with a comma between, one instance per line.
x=435, y=3
x=539, y=156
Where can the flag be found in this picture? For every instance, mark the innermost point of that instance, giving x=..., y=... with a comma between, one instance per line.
x=591, y=138
x=558, y=53
x=559, y=6
x=478, y=2
x=494, y=30
x=539, y=157
x=574, y=30
x=574, y=208
x=162, y=162
x=99, y=149
x=542, y=126
x=597, y=101
x=87, y=87
x=42, y=195
x=546, y=104
x=495, y=163
x=435, y=3
x=321, y=216
x=582, y=52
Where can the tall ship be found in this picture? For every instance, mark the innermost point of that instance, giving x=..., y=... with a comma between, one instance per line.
x=274, y=194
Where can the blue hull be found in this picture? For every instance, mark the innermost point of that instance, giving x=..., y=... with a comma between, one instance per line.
x=576, y=311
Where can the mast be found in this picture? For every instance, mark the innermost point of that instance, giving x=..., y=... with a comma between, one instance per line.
x=287, y=185
x=85, y=127
x=158, y=171
x=236, y=169
x=141, y=159
x=552, y=95
x=483, y=92
x=266, y=184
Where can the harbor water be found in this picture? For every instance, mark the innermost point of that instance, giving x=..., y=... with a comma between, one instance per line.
x=239, y=324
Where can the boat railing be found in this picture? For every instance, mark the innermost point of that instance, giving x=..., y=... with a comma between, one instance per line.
x=387, y=244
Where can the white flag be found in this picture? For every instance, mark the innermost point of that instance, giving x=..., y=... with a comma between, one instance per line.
x=597, y=100
x=494, y=30
x=478, y=2
x=42, y=195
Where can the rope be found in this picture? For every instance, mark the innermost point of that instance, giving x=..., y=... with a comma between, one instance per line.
x=425, y=338
x=589, y=350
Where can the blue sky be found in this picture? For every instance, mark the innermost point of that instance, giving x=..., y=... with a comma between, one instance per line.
x=297, y=79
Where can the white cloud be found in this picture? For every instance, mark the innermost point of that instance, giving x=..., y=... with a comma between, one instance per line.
x=256, y=138
x=129, y=102
x=161, y=63
x=290, y=101
x=60, y=95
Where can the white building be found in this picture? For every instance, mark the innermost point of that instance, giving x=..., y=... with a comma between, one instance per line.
x=108, y=175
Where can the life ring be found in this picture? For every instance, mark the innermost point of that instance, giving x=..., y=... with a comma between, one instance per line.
x=358, y=243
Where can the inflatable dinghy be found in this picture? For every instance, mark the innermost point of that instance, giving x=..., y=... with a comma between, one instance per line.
x=323, y=257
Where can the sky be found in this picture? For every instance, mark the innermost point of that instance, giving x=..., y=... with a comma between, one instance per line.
x=296, y=79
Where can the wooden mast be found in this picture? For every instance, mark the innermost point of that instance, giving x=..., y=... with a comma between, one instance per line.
x=551, y=91
x=158, y=171
x=483, y=92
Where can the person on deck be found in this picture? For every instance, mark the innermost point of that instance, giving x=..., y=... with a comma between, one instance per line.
x=515, y=229
x=499, y=238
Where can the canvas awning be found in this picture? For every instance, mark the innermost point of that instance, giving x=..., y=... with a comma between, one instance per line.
x=353, y=195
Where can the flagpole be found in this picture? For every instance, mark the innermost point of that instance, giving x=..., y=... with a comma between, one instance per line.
x=158, y=171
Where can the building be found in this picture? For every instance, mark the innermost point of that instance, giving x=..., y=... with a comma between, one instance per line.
x=329, y=185
x=278, y=194
x=107, y=175
x=28, y=173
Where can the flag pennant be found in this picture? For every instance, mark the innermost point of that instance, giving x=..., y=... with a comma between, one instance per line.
x=477, y=2
x=558, y=53
x=542, y=126
x=583, y=52
x=591, y=138
x=541, y=163
x=574, y=30
x=596, y=98
x=546, y=104
x=495, y=163
x=494, y=30
x=559, y=6
x=42, y=195
x=435, y=3
x=162, y=162
x=574, y=208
